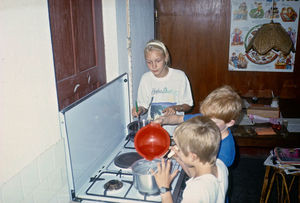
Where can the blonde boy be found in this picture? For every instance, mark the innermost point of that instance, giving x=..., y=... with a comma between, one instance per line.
x=223, y=105
x=197, y=145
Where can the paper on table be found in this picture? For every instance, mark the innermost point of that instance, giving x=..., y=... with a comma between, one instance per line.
x=288, y=169
x=288, y=155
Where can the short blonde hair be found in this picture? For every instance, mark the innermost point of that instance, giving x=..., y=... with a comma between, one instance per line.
x=159, y=46
x=201, y=136
x=223, y=103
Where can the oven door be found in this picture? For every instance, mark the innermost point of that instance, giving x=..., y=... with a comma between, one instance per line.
x=93, y=128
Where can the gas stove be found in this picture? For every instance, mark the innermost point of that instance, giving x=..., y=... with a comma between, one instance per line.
x=95, y=131
x=121, y=182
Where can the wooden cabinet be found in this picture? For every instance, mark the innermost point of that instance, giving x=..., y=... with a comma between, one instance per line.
x=78, y=48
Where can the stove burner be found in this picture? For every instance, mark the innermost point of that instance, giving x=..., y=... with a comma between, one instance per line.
x=127, y=159
x=113, y=185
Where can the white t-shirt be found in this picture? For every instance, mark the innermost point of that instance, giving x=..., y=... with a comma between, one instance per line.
x=173, y=89
x=207, y=188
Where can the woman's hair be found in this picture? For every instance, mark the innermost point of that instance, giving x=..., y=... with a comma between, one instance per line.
x=201, y=136
x=222, y=103
x=158, y=46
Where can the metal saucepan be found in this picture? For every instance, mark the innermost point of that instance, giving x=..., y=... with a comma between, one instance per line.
x=134, y=127
x=143, y=181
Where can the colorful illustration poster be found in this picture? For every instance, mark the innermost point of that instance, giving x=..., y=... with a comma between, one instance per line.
x=247, y=16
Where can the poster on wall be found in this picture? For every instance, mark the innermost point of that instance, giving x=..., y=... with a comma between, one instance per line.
x=247, y=16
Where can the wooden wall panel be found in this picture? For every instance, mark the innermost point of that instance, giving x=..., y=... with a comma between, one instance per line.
x=197, y=34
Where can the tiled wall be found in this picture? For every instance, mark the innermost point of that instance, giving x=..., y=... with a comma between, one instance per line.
x=43, y=180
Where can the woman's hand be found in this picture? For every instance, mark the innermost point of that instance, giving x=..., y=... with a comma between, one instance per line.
x=141, y=111
x=162, y=176
x=169, y=111
x=160, y=120
x=169, y=120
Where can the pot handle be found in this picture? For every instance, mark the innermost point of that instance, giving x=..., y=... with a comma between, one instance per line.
x=129, y=135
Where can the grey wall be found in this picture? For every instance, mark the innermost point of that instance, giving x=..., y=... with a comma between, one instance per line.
x=142, y=30
x=131, y=45
x=122, y=36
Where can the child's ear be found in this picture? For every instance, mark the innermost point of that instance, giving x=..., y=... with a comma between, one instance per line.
x=231, y=123
x=166, y=58
x=193, y=156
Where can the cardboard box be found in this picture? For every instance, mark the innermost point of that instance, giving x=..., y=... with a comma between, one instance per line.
x=263, y=111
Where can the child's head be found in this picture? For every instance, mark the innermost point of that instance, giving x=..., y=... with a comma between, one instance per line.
x=223, y=103
x=200, y=136
x=156, y=45
x=157, y=57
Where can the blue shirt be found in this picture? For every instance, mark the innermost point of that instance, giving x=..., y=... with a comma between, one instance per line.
x=227, y=145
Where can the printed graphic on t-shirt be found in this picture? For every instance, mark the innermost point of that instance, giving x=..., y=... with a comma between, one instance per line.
x=165, y=94
x=157, y=108
x=164, y=90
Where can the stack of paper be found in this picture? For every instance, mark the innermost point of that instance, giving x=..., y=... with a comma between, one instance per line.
x=286, y=158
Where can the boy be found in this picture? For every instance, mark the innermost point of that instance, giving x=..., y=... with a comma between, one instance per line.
x=197, y=145
x=223, y=106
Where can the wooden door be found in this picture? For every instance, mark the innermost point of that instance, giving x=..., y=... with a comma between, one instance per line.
x=78, y=48
x=197, y=34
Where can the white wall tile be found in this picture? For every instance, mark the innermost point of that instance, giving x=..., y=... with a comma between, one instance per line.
x=28, y=199
x=60, y=159
x=42, y=193
x=12, y=190
x=46, y=163
x=62, y=196
x=43, y=180
x=1, y=196
x=54, y=200
x=30, y=178
x=52, y=170
x=55, y=181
